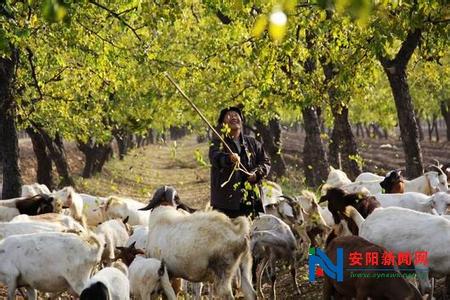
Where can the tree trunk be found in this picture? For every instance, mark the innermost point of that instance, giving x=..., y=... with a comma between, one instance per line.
x=343, y=144
x=430, y=129
x=44, y=162
x=436, y=129
x=360, y=129
x=419, y=126
x=9, y=145
x=367, y=128
x=121, y=144
x=385, y=133
x=58, y=154
x=315, y=161
x=342, y=148
x=271, y=136
x=103, y=153
x=151, y=138
x=89, y=154
x=96, y=156
x=445, y=110
x=377, y=131
x=396, y=72
x=131, y=141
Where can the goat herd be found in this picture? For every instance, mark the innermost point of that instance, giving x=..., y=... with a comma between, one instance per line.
x=110, y=247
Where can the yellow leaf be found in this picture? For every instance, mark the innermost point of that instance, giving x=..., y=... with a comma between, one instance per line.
x=277, y=32
x=289, y=5
x=260, y=26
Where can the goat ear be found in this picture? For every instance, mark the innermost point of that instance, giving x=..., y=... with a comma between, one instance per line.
x=148, y=207
x=133, y=245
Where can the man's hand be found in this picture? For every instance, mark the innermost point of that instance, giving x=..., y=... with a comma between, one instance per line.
x=252, y=178
x=234, y=157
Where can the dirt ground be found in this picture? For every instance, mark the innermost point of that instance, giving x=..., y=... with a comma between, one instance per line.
x=181, y=164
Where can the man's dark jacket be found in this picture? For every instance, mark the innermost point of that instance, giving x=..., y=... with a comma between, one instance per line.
x=253, y=157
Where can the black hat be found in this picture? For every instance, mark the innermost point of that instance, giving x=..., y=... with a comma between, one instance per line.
x=224, y=111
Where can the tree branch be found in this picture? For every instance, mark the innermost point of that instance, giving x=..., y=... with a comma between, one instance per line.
x=223, y=18
x=127, y=10
x=33, y=73
x=117, y=16
x=57, y=76
x=407, y=49
x=100, y=37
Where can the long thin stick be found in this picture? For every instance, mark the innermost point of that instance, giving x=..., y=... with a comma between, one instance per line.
x=203, y=118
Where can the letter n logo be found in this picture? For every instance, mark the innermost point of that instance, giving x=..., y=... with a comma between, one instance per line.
x=318, y=258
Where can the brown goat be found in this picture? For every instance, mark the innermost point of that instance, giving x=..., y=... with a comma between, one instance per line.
x=392, y=288
x=393, y=183
x=338, y=199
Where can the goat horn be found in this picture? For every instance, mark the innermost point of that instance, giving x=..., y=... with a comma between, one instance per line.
x=437, y=163
x=440, y=170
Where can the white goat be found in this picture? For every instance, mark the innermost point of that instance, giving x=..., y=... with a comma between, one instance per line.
x=8, y=213
x=368, y=176
x=8, y=228
x=93, y=209
x=52, y=218
x=49, y=262
x=29, y=190
x=139, y=237
x=147, y=275
x=115, y=234
x=203, y=246
x=314, y=221
x=429, y=183
x=272, y=239
x=336, y=178
x=405, y=230
x=124, y=207
x=435, y=204
x=326, y=215
x=73, y=201
x=109, y=283
x=271, y=192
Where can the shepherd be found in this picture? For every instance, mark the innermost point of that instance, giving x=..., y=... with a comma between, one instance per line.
x=235, y=190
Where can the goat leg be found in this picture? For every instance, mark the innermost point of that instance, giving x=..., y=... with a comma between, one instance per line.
x=293, y=265
x=273, y=278
x=446, y=289
x=259, y=273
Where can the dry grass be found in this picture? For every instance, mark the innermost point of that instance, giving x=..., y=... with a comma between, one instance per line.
x=145, y=169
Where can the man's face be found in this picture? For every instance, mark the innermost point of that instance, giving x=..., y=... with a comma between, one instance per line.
x=233, y=120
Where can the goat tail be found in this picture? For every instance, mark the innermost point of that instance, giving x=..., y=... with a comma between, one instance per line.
x=352, y=213
x=165, y=282
x=242, y=225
